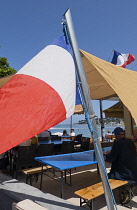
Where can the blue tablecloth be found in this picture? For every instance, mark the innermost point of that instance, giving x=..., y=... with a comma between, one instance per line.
x=56, y=142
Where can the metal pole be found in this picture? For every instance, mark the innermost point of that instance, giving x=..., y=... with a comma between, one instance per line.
x=102, y=121
x=70, y=123
x=79, y=65
x=87, y=100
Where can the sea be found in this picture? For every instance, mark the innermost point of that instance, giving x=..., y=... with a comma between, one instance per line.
x=81, y=129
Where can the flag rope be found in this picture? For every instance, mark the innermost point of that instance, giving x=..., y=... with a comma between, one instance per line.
x=92, y=131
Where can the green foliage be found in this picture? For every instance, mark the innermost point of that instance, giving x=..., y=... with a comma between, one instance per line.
x=5, y=68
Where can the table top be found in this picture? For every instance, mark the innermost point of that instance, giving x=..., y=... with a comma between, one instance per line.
x=58, y=141
x=71, y=160
x=65, y=136
x=106, y=149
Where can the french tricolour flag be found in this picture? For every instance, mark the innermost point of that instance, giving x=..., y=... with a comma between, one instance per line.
x=39, y=96
x=122, y=59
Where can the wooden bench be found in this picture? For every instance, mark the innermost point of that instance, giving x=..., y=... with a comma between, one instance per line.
x=89, y=193
x=34, y=171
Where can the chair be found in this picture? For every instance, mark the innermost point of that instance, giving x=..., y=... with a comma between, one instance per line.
x=73, y=138
x=85, y=142
x=67, y=147
x=24, y=158
x=78, y=138
x=43, y=138
x=54, y=137
x=77, y=147
x=106, y=144
x=45, y=150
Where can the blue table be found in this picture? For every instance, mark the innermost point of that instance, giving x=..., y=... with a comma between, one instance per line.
x=56, y=142
x=106, y=149
x=66, y=137
x=61, y=163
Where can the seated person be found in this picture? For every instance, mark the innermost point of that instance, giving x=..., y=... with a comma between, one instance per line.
x=123, y=159
x=107, y=135
x=135, y=138
x=45, y=134
x=65, y=133
x=72, y=133
x=26, y=143
x=29, y=142
x=34, y=140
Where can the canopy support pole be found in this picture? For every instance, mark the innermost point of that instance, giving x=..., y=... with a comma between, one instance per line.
x=89, y=111
x=102, y=121
x=70, y=123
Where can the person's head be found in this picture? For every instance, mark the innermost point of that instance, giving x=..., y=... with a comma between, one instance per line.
x=72, y=130
x=109, y=131
x=135, y=133
x=64, y=132
x=119, y=133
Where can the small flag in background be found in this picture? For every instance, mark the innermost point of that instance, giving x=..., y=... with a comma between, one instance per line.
x=122, y=59
x=41, y=95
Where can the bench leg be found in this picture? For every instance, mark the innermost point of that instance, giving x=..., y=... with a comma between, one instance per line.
x=27, y=179
x=31, y=179
x=80, y=201
x=89, y=203
x=97, y=169
x=37, y=177
x=130, y=195
x=128, y=205
x=41, y=178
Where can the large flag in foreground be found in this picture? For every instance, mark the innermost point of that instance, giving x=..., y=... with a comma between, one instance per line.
x=39, y=96
x=122, y=59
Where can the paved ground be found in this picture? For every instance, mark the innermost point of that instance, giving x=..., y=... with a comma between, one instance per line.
x=82, y=177
x=5, y=204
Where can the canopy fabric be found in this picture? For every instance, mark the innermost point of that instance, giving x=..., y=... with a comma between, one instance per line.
x=99, y=87
x=106, y=80
x=115, y=111
x=78, y=109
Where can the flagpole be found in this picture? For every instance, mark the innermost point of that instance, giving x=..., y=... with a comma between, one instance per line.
x=89, y=110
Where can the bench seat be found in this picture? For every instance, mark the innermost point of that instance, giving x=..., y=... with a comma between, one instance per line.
x=34, y=171
x=91, y=192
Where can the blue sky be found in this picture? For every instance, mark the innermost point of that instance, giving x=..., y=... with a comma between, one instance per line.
x=100, y=26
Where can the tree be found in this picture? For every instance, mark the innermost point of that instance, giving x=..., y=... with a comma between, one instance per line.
x=5, y=68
